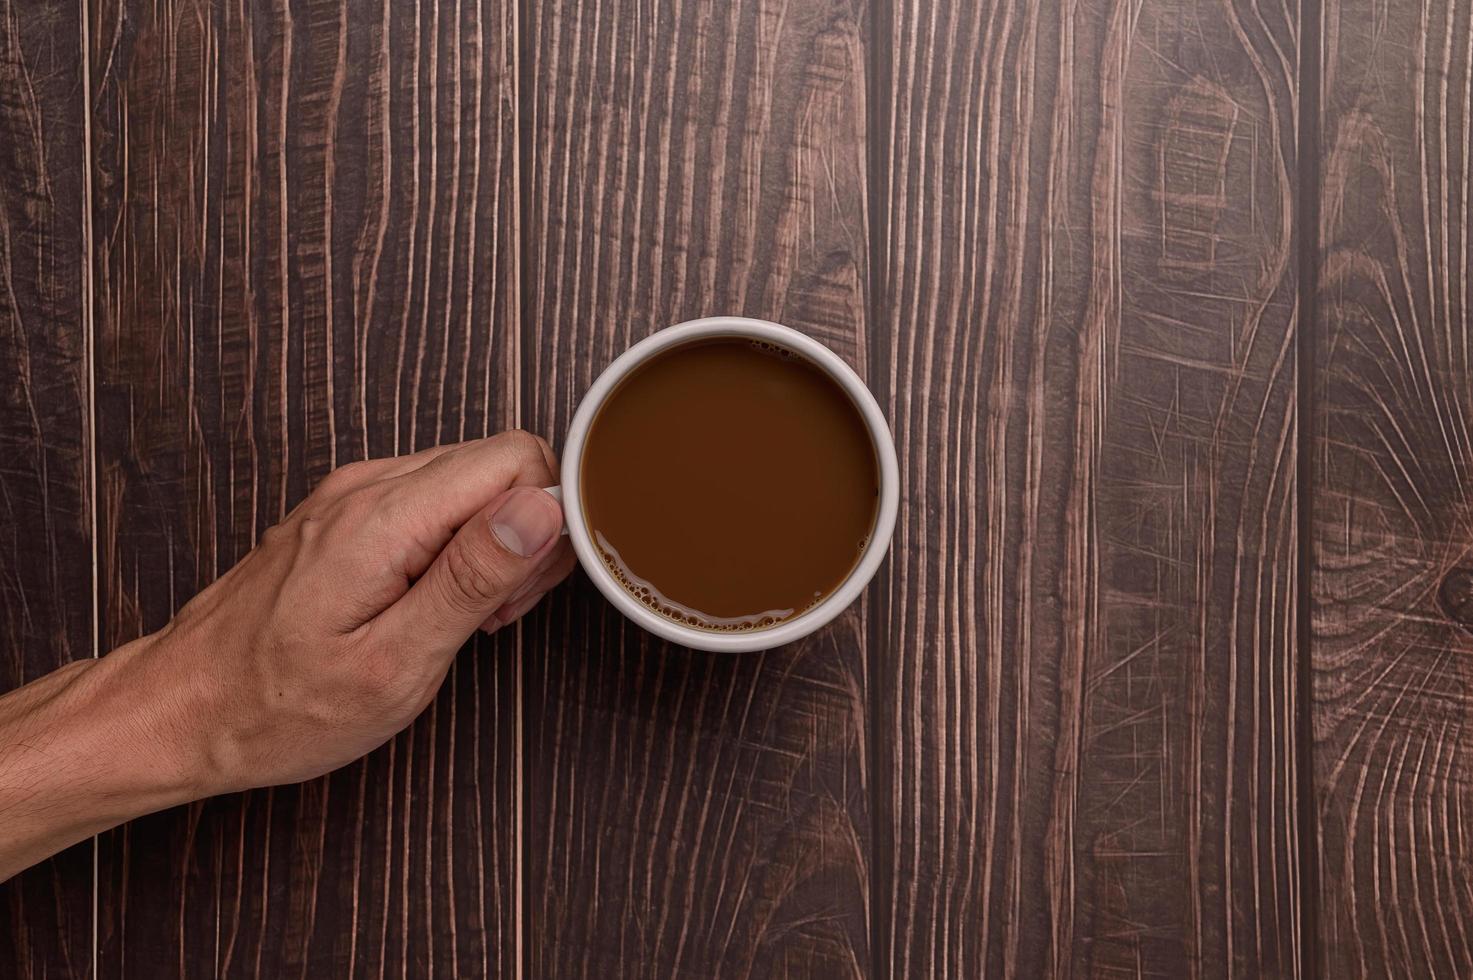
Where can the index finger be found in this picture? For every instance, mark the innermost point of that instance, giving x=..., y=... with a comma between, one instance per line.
x=433, y=501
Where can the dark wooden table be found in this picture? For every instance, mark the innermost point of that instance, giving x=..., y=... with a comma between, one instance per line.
x=1168, y=303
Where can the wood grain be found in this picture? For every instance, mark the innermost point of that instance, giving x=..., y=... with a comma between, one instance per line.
x=1087, y=644
x=1392, y=526
x=1059, y=735
x=691, y=815
x=306, y=221
x=46, y=584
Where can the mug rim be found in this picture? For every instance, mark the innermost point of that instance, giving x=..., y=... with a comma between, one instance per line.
x=815, y=353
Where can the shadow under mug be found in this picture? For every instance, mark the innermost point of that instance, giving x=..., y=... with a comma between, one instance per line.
x=790, y=629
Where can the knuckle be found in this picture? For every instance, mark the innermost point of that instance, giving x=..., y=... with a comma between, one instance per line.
x=311, y=528
x=358, y=506
x=380, y=673
x=532, y=455
x=390, y=511
x=524, y=443
x=384, y=682
x=472, y=580
x=392, y=683
x=341, y=478
x=445, y=460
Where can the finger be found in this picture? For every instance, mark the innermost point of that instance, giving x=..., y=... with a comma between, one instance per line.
x=484, y=564
x=360, y=473
x=363, y=472
x=409, y=462
x=562, y=561
x=513, y=611
x=465, y=465
x=540, y=577
x=427, y=505
x=342, y=481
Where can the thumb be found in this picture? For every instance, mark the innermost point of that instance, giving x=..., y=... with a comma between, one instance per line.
x=483, y=566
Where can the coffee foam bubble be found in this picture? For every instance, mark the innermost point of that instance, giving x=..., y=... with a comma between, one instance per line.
x=656, y=601
x=774, y=349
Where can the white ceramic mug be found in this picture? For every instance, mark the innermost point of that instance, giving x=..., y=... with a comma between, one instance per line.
x=787, y=630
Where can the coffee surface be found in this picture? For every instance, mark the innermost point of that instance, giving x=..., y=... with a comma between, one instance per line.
x=729, y=485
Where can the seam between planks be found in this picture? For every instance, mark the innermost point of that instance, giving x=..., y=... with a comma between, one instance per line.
x=1310, y=55
x=878, y=64
x=519, y=741
x=89, y=346
x=521, y=166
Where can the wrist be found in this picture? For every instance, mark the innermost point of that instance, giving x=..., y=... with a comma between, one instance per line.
x=158, y=718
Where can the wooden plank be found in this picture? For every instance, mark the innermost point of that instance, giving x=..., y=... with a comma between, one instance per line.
x=46, y=584
x=1393, y=462
x=1087, y=644
x=688, y=814
x=307, y=254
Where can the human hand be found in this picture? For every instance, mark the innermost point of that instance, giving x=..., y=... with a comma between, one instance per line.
x=329, y=637
x=335, y=632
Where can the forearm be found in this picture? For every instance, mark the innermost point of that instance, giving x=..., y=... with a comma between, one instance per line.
x=86, y=748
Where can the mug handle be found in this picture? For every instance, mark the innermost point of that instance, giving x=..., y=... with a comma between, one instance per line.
x=557, y=494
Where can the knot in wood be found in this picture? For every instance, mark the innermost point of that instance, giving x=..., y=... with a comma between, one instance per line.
x=1456, y=595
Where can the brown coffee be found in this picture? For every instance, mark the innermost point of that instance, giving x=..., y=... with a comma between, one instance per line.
x=729, y=485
